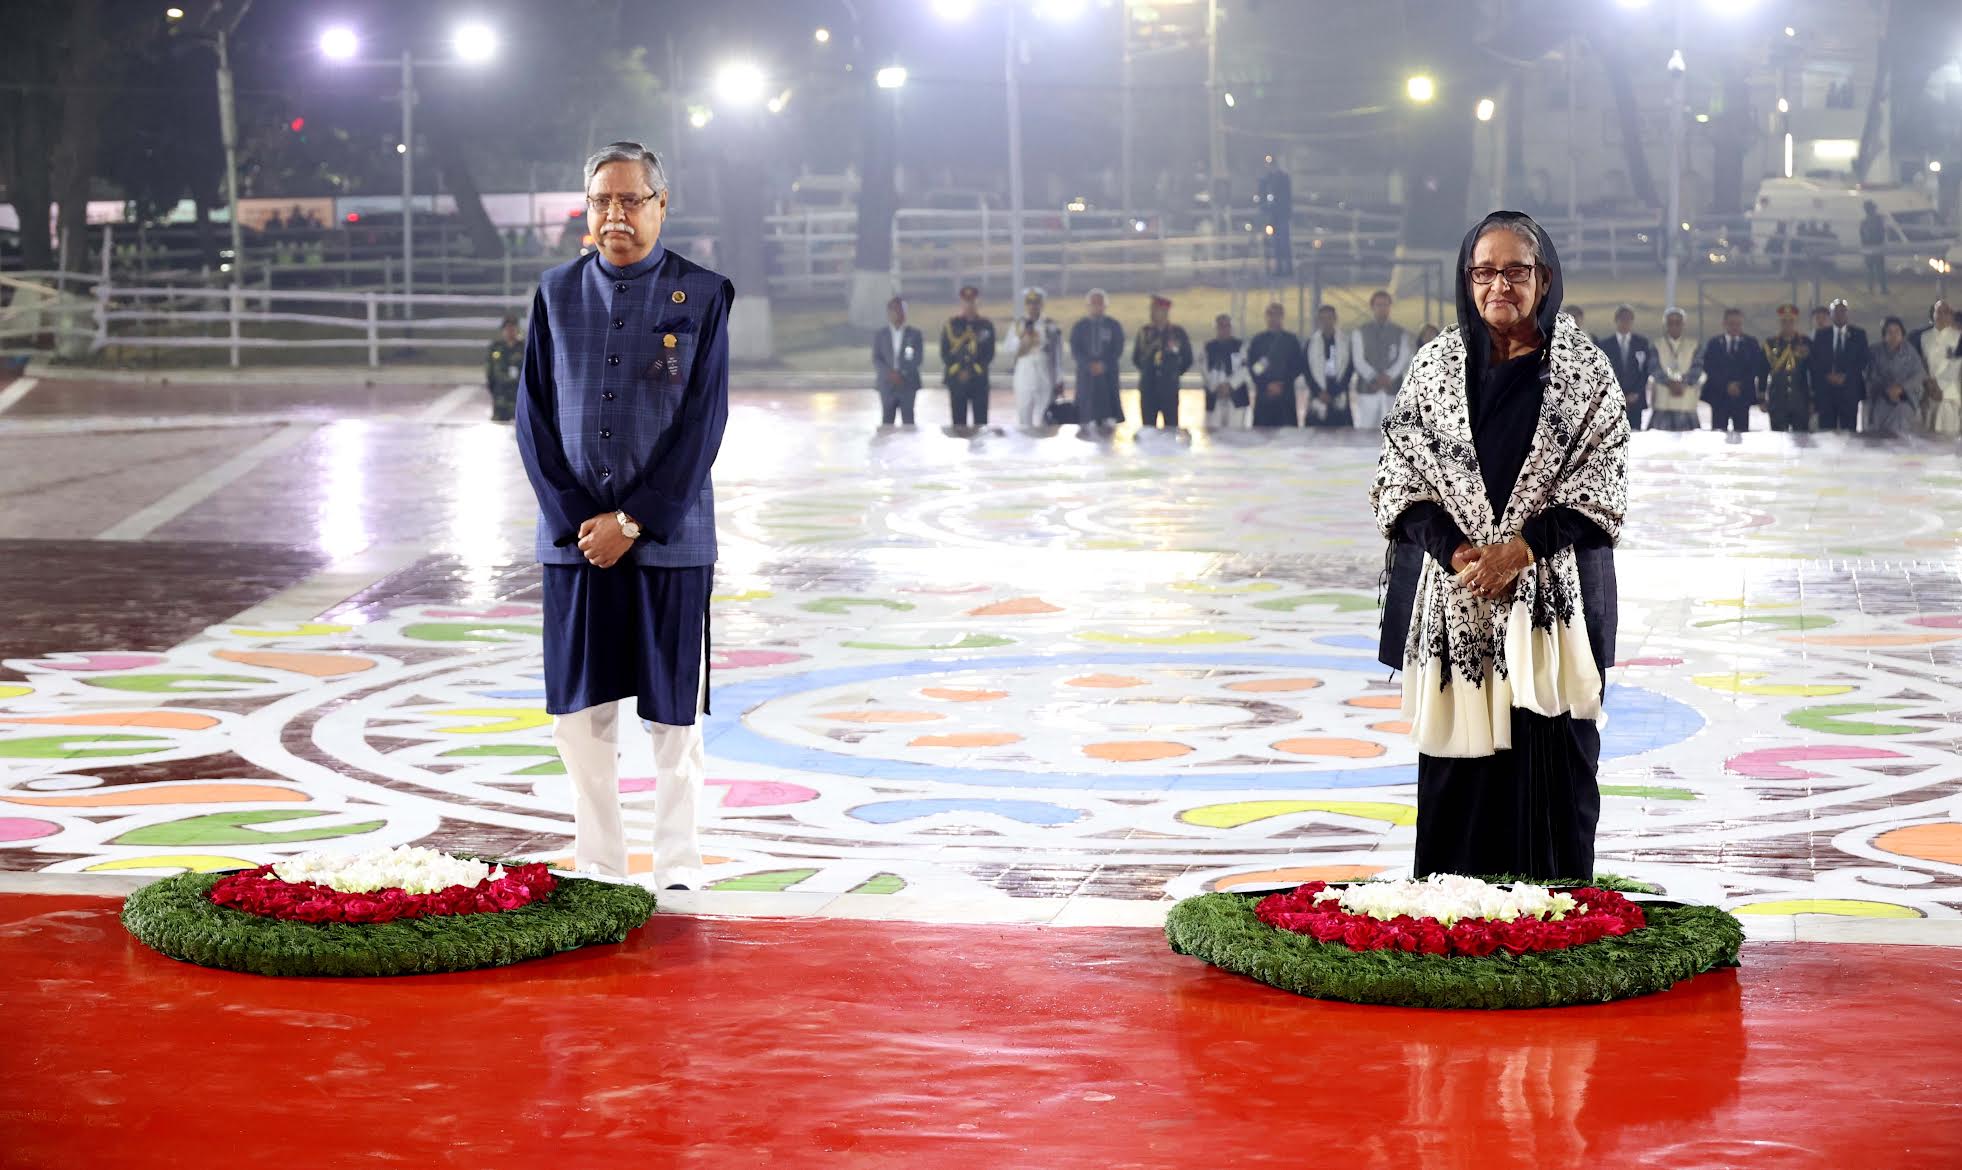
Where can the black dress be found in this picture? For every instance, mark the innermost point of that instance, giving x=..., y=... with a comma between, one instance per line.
x=1531, y=810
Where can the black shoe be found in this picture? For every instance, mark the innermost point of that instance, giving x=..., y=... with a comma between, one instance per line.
x=676, y=886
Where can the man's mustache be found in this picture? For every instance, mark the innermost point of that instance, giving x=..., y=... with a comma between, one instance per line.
x=620, y=228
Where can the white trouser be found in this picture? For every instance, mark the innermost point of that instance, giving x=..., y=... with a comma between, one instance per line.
x=1369, y=409
x=1031, y=400
x=588, y=743
x=1224, y=414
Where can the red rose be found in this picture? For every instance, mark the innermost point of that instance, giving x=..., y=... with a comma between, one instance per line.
x=1472, y=936
x=1518, y=935
x=1431, y=939
x=1327, y=927
x=1362, y=934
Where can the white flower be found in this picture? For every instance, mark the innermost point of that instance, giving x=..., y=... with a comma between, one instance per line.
x=1450, y=897
x=416, y=870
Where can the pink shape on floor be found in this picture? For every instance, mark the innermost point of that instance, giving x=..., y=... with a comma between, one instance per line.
x=95, y=662
x=26, y=829
x=737, y=793
x=738, y=659
x=1938, y=621
x=1769, y=763
x=1650, y=662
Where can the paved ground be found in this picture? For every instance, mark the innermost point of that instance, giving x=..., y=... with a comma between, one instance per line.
x=1022, y=678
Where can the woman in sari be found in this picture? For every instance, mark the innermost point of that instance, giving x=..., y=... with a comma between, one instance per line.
x=1501, y=487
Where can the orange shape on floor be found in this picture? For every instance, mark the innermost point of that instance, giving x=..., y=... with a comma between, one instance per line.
x=1299, y=875
x=298, y=662
x=1015, y=607
x=1106, y=681
x=1133, y=751
x=167, y=720
x=882, y=715
x=1348, y=749
x=967, y=739
x=961, y=695
x=1376, y=702
x=1273, y=686
x=167, y=792
x=1937, y=842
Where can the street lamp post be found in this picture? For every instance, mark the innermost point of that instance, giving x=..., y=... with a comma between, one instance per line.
x=408, y=180
x=1678, y=98
x=1015, y=241
x=471, y=44
x=228, y=135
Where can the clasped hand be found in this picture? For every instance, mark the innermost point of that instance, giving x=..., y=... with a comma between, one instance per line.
x=601, y=541
x=1488, y=571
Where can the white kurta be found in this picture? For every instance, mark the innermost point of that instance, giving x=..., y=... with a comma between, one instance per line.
x=1943, y=417
x=1036, y=372
x=1676, y=360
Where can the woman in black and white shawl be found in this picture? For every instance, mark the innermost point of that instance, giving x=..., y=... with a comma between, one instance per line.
x=1502, y=485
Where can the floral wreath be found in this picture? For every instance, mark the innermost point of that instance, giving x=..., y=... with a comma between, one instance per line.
x=1450, y=915
x=1384, y=953
x=381, y=886
x=399, y=912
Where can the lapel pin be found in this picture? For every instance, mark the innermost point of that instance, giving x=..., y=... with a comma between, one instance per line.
x=680, y=297
x=667, y=341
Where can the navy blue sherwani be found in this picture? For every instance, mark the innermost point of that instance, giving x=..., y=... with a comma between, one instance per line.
x=621, y=407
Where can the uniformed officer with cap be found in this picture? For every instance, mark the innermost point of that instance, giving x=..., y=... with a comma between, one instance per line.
x=967, y=349
x=1162, y=354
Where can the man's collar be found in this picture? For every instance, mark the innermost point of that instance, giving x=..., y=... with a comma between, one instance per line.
x=638, y=268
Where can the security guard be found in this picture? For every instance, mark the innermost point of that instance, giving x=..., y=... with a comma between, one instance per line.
x=967, y=349
x=501, y=367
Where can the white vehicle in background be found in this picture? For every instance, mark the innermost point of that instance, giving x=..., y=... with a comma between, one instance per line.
x=1819, y=220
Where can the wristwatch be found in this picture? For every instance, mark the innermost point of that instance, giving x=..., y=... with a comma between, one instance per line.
x=627, y=525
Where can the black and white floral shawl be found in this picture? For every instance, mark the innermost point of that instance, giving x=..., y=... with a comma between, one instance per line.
x=1468, y=660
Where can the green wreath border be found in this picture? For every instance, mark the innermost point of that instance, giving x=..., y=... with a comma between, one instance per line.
x=1678, y=943
x=177, y=917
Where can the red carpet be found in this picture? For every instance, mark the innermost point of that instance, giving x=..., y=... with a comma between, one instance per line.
x=831, y=1043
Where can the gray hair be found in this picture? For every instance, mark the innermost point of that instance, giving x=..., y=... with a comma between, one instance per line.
x=632, y=152
x=1524, y=232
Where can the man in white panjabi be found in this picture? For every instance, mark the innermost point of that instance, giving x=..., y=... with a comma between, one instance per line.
x=1676, y=380
x=1941, y=401
x=1381, y=350
x=1038, y=369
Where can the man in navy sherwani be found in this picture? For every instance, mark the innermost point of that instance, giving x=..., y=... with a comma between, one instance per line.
x=621, y=408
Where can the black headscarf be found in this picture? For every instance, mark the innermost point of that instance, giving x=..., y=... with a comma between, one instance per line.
x=1478, y=339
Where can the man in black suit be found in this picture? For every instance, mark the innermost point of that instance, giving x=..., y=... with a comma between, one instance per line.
x=1839, y=371
x=1631, y=356
x=1734, y=368
x=896, y=353
x=1873, y=241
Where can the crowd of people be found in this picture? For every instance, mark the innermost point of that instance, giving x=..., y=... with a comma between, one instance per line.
x=1333, y=377
x=1830, y=377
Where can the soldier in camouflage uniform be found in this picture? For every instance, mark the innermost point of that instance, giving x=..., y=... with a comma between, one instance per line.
x=501, y=369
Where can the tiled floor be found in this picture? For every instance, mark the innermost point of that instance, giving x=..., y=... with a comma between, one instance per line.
x=1019, y=678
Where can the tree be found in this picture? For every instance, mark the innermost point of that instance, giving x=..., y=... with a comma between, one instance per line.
x=30, y=111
